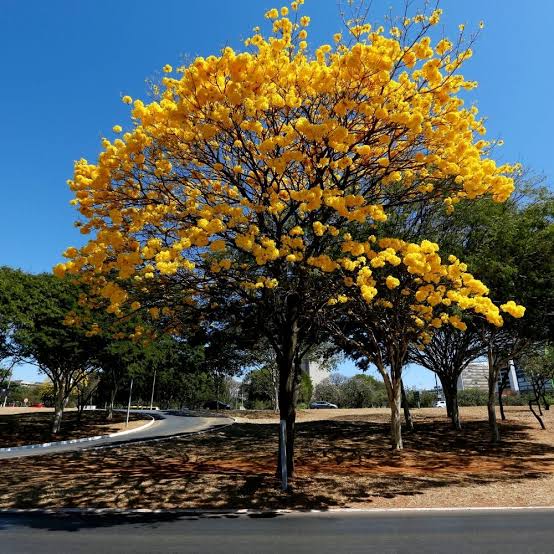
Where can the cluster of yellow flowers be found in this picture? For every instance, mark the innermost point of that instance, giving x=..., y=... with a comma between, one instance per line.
x=418, y=281
x=271, y=151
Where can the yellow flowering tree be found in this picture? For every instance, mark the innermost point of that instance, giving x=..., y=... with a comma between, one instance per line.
x=249, y=165
x=396, y=295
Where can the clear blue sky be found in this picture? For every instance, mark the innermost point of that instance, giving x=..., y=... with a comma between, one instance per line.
x=67, y=63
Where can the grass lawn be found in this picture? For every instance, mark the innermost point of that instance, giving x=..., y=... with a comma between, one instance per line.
x=33, y=427
x=342, y=460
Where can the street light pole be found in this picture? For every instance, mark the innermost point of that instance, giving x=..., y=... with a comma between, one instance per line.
x=153, y=385
x=9, y=384
x=129, y=404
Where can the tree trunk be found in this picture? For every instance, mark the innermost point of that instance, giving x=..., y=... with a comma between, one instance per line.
x=493, y=380
x=287, y=412
x=455, y=416
x=395, y=423
x=495, y=434
x=276, y=397
x=59, y=403
x=445, y=383
x=450, y=390
x=535, y=413
x=80, y=410
x=536, y=392
x=288, y=382
x=109, y=416
x=501, y=404
x=501, y=387
x=407, y=414
x=449, y=404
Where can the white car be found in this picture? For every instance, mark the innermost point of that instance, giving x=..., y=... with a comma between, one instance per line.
x=322, y=405
x=440, y=404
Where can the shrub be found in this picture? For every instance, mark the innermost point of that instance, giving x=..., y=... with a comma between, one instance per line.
x=472, y=397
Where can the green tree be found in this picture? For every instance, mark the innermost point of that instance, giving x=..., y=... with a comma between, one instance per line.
x=362, y=391
x=330, y=389
x=305, y=389
x=510, y=247
x=447, y=355
x=538, y=364
x=38, y=306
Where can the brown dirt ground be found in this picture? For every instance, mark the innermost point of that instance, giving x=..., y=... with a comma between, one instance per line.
x=32, y=426
x=344, y=461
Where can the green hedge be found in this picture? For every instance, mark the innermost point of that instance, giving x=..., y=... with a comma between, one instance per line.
x=478, y=397
x=472, y=397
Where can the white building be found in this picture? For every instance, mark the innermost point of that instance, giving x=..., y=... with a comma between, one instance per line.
x=315, y=371
x=476, y=374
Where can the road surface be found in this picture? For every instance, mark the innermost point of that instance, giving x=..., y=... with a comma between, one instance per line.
x=430, y=532
x=166, y=425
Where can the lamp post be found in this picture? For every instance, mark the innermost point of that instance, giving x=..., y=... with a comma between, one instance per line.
x=129, y=404
x=153, y=385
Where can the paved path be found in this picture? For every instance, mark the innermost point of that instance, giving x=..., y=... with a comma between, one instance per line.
x=420, y=532
x=166, y=425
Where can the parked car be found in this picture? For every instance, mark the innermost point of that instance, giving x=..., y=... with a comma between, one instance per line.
x=322, y=405
x=440, y=404
x=37, y=405
x=216, y=405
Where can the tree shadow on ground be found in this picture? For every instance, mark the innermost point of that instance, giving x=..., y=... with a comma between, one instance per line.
x=339, y=463
x=34, y=428
x=74, y=522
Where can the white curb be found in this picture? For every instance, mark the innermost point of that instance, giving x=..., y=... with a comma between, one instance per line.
x=249, y=511
x=75, y=441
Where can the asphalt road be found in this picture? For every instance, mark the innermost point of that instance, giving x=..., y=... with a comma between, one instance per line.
x=430, y=532
x=166, y=425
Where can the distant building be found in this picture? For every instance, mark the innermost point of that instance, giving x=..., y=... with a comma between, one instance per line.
x=27, y=383
x=476, y=374
x=315, y=371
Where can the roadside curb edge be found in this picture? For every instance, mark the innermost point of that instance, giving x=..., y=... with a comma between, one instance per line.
x=250, y=511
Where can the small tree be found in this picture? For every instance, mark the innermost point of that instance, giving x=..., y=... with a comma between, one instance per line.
x=263, y=385
x=419, y=295
x=331, y=389
x=362, y=391
x=538, y=366
x=448, y=353
x=40, y=305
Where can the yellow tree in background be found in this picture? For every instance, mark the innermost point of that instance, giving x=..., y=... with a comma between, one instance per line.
x=251, y=167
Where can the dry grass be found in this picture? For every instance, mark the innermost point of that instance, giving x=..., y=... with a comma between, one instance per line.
x=344, y=461
x=33, y=426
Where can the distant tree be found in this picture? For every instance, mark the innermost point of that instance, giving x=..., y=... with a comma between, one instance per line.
x=263, y=386
x=46, y=393
x=362, y=391
x=329, y=390
x=84, y=391
x=420, y=293
x=473, y=397
x=511, y=247
x=38, y=306
x=448, y=353
x=538, y=365
x=305, y=389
